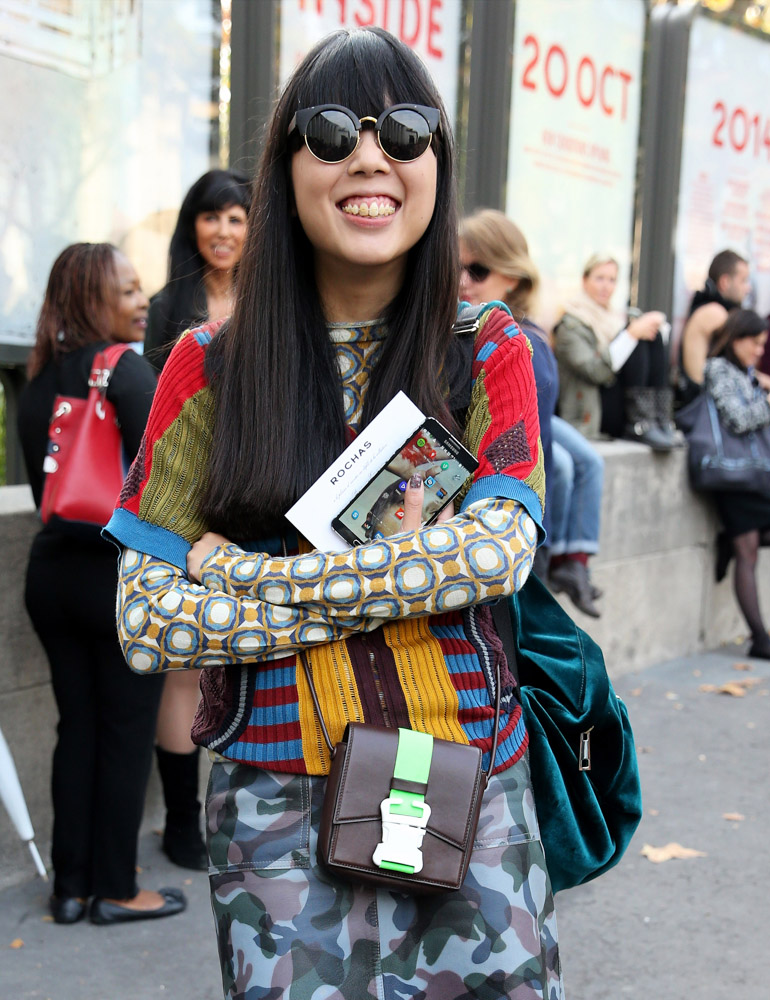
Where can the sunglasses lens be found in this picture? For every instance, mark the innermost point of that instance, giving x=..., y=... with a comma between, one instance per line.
x=404, y=135
x=477, y=272
x=331, y=136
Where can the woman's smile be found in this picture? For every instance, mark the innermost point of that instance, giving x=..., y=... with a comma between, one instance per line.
x=377, y=207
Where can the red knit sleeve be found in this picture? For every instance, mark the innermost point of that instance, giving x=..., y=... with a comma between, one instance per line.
x=503, y=417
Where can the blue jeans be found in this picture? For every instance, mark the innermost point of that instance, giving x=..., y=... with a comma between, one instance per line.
x=575, y=491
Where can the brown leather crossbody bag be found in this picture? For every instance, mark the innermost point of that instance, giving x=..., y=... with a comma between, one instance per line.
x=401, y=807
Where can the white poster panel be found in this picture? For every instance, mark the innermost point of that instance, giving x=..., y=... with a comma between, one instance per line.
x=573, y=141
x=724, y=185
x=103, y=128
x=430, y=27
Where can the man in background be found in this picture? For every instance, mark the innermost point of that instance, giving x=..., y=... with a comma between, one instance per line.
x=726, y=287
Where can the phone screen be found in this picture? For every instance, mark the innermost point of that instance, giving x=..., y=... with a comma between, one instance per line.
x=378, y=509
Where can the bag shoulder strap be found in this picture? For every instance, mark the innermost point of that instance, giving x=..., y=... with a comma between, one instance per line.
x=104, y=365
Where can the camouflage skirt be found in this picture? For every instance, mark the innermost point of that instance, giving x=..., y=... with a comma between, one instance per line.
x=288, y=931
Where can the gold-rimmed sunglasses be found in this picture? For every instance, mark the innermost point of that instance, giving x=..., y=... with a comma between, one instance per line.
x=332, y=132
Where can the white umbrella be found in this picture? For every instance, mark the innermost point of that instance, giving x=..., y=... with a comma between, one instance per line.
x=13, y=800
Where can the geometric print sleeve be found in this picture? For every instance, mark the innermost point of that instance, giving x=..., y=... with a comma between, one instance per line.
x=250, y=606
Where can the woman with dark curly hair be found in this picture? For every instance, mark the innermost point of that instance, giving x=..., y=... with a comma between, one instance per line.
x=106, y=715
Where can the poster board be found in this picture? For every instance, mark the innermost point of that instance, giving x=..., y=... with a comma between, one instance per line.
x=724, y=181
x=572, y=155
x=430, y=27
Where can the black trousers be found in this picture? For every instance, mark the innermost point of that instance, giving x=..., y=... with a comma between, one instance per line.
x=106, y=717
x=647, y=367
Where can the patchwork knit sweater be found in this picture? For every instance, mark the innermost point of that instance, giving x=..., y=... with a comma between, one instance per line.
x=396, y=630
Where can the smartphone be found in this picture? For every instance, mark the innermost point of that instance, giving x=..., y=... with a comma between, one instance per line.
x=377, y=510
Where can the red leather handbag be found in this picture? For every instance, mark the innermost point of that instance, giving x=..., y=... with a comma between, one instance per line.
x=85, y=464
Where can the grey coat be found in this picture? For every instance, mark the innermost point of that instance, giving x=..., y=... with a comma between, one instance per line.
x=584, y=366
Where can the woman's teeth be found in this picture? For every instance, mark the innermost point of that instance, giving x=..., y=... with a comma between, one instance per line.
x=371, y=211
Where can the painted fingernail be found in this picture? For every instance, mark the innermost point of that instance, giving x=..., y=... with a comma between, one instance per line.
x=416, y=481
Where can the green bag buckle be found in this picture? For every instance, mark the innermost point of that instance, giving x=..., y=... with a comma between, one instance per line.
x=405, y=814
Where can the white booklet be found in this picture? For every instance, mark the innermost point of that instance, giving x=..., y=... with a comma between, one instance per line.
x=313, y=513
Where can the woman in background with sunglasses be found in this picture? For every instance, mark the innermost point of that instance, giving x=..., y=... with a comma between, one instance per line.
x=347, y=294
x=613, y=364
x=574, y=470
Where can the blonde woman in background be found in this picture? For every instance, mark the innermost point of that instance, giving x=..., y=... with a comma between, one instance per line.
x=496, y=265
x=613, y=369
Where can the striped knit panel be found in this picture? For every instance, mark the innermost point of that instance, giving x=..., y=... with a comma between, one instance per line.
x=182, y=377
x=179, y=472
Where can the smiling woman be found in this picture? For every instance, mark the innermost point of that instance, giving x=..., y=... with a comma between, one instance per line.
x=347, y=294
x=204, y=254
x=106, y=719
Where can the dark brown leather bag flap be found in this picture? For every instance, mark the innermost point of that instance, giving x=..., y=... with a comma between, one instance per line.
x=456, y=781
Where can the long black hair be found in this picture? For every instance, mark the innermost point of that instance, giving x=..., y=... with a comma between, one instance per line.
x=184, y=296
x=740, y=323
x=279, y=415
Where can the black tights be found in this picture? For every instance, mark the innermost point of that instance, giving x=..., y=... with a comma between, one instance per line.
x=746, y=550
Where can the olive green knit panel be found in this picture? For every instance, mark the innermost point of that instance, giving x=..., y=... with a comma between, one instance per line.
x=180, y=470
x=477, y=423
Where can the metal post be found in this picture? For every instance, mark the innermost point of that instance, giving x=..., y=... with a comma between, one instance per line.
x=661, y=135
x=489, y=103
x=253, y=78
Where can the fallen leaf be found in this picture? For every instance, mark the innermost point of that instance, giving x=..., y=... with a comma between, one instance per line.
x=671, y=695
x=737, y=689
x=733, y=817
x=673, y=850
x=679, y=706
x=17, y=943
x=697, y=673
x=742, y=666
x=635, y=692
x=653, y=812
x=47, y=918
x=701, y=757
x=186, y=881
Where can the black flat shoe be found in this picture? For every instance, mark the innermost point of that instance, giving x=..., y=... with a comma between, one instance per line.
x=760, y=650
x=67, y=909
x=103, y=912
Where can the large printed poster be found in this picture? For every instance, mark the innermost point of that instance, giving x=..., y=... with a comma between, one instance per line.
x=430, y=27
x=573, y=141
x=724, y=186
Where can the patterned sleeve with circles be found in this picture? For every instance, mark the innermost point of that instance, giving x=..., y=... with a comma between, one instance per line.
x=253, y=606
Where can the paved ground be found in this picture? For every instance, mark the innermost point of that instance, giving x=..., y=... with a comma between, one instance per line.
x=680, y=929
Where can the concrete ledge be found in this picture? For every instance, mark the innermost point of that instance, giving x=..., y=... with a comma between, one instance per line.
x=656, y=564
x=655, y=567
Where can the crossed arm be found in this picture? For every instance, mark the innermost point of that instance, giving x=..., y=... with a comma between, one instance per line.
x=252, y=606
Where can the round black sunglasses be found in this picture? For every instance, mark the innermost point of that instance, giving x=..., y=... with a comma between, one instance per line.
x=476, y=272
x=332, y=132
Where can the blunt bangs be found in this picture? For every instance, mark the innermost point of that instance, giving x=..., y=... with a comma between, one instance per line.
x=222, y=192
x=365, y=71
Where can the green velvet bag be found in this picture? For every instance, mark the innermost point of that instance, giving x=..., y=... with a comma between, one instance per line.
x=581, y=747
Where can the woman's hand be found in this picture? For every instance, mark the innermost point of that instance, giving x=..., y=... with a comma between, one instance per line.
x=200, y=551
x=646, y=326
x=413, y=500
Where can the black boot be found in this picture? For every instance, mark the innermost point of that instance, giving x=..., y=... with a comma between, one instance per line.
x=642, y=419
x=664, y=409
x=182, y=840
